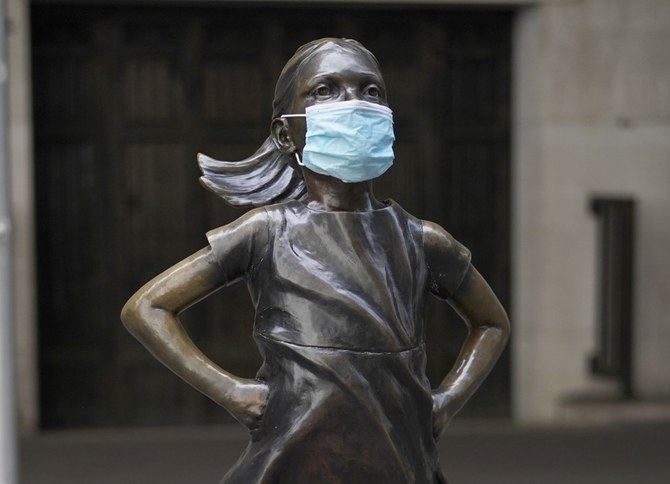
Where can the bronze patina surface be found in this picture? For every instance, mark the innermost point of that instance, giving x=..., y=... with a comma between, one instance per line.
x=339, y=281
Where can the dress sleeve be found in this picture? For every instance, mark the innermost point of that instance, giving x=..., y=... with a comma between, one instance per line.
x=240, y=246
x=448, y=261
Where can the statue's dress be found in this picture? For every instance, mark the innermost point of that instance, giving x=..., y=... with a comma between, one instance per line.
x=339, y=300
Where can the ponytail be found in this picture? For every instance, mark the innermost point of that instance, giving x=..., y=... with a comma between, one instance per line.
x=265, y=177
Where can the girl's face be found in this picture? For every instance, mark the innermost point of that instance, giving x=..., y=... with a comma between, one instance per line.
x=332, y=75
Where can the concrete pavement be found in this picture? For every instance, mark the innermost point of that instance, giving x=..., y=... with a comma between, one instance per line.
x=473, y=452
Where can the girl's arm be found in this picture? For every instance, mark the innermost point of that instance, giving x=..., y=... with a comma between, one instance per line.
x=152, y=316
x=488, y=329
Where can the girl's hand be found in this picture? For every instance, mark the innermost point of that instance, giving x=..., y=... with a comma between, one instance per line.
x=247, y=402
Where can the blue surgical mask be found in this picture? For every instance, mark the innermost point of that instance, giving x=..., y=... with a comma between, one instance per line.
x=349, y=140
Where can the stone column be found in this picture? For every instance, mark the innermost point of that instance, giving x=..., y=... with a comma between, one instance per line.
x=8, y=466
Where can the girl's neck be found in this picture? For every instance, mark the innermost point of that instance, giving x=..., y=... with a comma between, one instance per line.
x=330, y=194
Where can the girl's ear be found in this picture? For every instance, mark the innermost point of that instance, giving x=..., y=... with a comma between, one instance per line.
x=280, y=136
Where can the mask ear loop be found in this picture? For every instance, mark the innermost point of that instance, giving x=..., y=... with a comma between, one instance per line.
x=295, y=153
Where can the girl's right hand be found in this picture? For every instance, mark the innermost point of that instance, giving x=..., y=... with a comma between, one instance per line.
x=247, y=402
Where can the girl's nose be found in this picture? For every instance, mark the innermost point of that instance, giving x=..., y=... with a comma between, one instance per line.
x=352, y=93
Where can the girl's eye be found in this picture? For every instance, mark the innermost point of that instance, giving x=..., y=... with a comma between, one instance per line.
x=373, y=91
x=322, y=91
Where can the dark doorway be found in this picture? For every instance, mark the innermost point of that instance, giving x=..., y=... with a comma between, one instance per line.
x=125, y=97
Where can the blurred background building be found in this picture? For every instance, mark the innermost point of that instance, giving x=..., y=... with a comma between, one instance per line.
x=511, y=117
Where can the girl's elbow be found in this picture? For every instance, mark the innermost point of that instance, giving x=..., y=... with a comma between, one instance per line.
x=505, y=328
x=128, y=314
x=133, y=315
x=498, y=326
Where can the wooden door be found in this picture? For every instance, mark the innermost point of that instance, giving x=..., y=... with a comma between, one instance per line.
x=125, y=97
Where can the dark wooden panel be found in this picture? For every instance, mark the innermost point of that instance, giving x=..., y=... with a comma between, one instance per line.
x=232, y=91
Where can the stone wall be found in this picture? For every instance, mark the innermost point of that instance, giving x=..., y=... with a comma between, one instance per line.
x=20, y=143
x=592, y=94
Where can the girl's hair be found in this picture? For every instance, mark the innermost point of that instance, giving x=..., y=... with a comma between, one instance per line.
x=269, y=176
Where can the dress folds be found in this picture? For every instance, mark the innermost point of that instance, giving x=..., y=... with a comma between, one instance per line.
x=340, y=300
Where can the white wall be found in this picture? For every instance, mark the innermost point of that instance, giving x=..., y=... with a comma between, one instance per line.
x=593, y=116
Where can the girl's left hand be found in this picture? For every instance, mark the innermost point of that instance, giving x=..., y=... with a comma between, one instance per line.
x=247, y=402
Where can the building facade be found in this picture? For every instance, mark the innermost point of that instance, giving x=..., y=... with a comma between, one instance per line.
x=590, y=116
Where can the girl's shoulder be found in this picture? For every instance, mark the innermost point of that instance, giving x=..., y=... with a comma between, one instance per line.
x=258, y=224
x=448, y=260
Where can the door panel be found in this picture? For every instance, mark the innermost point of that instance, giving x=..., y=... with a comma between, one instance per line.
x=125, y=98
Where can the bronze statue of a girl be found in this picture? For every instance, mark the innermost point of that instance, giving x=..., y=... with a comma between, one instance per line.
x=339, y=281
